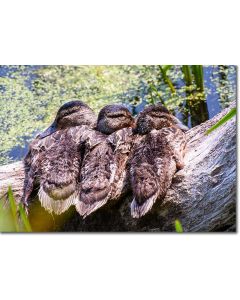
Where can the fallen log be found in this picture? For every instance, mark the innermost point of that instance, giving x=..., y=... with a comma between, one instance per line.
x=202, y=195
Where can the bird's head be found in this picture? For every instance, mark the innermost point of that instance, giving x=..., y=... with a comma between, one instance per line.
x=114, y=117
x=156, y=117
x=70, y=114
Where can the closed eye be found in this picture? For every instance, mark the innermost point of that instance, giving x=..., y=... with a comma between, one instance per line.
x=159, y=116
x=116, y=116
x=68, y=112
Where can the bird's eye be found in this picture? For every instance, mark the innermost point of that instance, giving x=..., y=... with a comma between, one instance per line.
x=68, y=112
x=160, y=117
x=116, y=116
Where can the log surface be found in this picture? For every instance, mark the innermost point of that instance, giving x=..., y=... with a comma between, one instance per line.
x=202, y=195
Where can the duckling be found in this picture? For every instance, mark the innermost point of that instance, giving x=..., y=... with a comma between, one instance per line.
x=156, y=156
x=103, y=167
x=53, y=161
x=114, y=117
x=71, y=114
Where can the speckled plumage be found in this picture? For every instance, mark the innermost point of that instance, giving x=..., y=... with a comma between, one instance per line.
x=75, y=164
x=122, y=141
x=103, y=167
x=54, y=158
x=157, y=154
x=114, y=117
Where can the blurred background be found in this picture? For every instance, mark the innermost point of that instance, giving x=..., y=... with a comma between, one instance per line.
x=31, y=95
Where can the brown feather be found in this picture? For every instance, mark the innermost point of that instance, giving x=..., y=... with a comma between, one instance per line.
x=155, y=158
x=54, y=159
x=103, y=168
x=97, y=174
x=54, y=164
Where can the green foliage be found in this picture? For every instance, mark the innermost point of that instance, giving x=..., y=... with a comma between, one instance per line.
x=221, y=77
x=13, y=209
x=197, y=71
x=31, y=95
x=223, y=120
x=178, y=226
x=187, y=75
x=13, y=218
x=194, y=72
x=6, y=222
x=24, y=218
x=166, y=79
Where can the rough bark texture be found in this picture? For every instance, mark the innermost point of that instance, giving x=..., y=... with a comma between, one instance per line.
x=202, y=195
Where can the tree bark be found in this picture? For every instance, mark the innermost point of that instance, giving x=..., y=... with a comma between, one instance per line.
x=202, y=195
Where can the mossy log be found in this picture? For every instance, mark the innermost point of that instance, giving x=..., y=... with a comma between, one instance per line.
x=202, y=195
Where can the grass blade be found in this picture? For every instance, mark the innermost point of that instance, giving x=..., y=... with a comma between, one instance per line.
x=187, y=74
x=6, y=222
x=178, y=226
x=13, y=208
x=224, y=119
x=167, y=79
x=24, y=218
x=166, y=67
x=152, y=86
x=197, y=71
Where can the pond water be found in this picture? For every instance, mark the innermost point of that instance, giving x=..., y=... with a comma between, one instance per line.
x=31, y=95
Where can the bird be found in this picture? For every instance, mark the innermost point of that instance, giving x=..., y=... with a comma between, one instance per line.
x=53, y=161
x=113, y=117
x=103, y=167
x=156, y=155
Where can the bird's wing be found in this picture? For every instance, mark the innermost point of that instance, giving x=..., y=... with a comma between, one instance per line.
x=151, y=169
x=61, y=170
x=103, y=171
x=121, y=141
x=48, y=159
x=97, y=173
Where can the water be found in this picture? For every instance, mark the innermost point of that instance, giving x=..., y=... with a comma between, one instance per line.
x=219, y=91
x=31, y=95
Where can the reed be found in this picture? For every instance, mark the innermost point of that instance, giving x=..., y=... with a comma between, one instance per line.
x=167, y=80
x=224, y=119
x=194, y=72
x=187, y=74
x=197, y=71
x=13, y=218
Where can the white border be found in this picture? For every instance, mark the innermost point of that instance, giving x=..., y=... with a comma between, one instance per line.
x=115, y=266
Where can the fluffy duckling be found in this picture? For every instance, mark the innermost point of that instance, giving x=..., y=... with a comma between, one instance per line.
x=103, y=167
x=157, y=154
x=54, y=158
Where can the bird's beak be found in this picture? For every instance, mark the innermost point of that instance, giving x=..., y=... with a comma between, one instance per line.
x=180, y=124
x=51, y=129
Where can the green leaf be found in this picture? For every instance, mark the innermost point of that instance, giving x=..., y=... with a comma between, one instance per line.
x=178, y=226
x=152, y=86
x=167, y=79
x=166, y=67
x=187, y=74
x=6, y=222
x=197, y=71
x=224, y=119
x=13, y=208
x=24, y=218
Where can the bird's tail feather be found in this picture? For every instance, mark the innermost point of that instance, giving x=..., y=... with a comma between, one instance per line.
x=56, y=206
x=139, y=210
x=85, y=209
